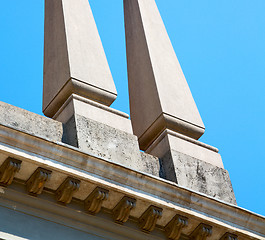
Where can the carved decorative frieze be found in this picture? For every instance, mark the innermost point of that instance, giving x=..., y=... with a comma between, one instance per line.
x=174, y=227
x=229, y=236
x=149, y=218
x=201, y=232
x=35, y=183
x=65, y=192
x=8, y=170
x=94, y=201
x=122, y=211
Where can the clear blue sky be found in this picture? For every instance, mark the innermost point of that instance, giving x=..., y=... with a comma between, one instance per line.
x=220, y=46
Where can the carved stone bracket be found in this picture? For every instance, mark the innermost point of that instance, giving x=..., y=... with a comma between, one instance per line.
x=229, y=236
x=201, y=232
x=65, y=192
x=94, y=201
x=122, y=211
x=174, y=227
x=8, y=170
x=149, y=218
x=35, y=183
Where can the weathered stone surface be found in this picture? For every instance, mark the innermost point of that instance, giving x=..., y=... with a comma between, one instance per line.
x=180, y=143
x=198, y=175
x=90, y=136
x=95, y=111
x=120, y=181
x=118, y=146
x=104, y=141
x=152, y=165
x=31, y=123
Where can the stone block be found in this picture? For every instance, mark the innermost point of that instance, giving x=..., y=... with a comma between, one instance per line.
x=198, y=175
x=151, y=165
x=191, y=147
x=192, y=164
x=90, y=109
x=103, y=141
x=30, y=123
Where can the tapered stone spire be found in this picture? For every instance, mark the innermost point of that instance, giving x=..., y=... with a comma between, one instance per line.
x=78, y=87
x=160, y=97
x=163, y=112
x=74, y=59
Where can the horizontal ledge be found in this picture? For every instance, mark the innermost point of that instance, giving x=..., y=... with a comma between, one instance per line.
x=68, y=160
x=167, y=121
x=76, y=86
x=93, y=103
x=196, y=142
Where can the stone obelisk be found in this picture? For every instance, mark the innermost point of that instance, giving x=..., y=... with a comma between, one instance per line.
x=159, y=94
x=78, y=87
x=163, y=112
x=74, y=59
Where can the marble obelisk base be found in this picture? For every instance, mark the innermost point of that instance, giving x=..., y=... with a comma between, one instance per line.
x=193, y=165
x=103, y=132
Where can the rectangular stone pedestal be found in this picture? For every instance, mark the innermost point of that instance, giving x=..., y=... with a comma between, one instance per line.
x=90, y=109
x=102, y=141
x=103, y=132
x=193, y=165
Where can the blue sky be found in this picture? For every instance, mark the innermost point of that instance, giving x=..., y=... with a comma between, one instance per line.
x=220, y=46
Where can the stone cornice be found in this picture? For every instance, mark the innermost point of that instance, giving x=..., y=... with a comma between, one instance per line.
x=148, y=190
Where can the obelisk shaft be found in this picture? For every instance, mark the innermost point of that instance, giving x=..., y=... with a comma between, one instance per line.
x=160, y=97
x=74, y=59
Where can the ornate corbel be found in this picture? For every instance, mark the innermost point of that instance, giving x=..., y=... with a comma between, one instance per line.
x=229, y=236
x=8, y=170
x=94, y=201
x=65, y=192
x=201, y=232
x=174, y=227
x=122, y=210
x=149, y=218
x=35, y=183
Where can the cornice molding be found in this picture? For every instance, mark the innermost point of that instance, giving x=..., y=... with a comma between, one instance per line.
x=122, y=210
x=149, y=218
x=202, y=232
x=67, y=160
x=94, y=201
x=65, y=192
x=8, y=170
x=229, y=236
x=36, y=182
x=174, y=228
